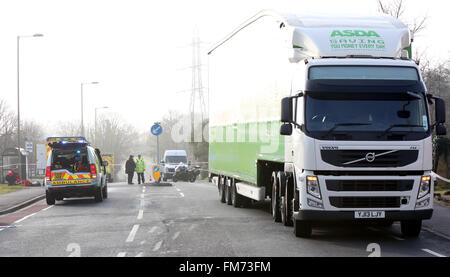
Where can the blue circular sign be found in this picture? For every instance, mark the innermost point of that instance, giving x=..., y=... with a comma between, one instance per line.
x=156, y=130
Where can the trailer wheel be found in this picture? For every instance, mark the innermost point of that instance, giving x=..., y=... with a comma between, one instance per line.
x=302, y=229
x=275, y=199
x=236, y=198
x=227, y=192
x=286, y=182
x=411, y=228
x=221, y=189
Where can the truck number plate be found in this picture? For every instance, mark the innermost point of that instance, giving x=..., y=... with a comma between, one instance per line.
x=369, y=214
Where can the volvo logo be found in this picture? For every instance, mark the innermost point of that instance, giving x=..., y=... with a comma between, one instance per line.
x=370, y=157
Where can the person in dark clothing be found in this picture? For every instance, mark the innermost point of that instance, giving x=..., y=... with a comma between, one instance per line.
x=11, y=178
x=130, y=166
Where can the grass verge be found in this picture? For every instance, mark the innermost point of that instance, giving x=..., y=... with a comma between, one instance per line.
x=4, y=188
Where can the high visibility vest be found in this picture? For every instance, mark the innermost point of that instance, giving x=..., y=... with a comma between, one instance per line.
x=140, y=165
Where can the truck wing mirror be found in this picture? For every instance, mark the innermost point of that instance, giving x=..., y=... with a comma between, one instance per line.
x=286, y=129
x=441, y=130
x=286, y=110
x=440, y=111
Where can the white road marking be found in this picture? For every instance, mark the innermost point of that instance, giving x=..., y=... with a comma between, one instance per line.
x=153, y=229
x=433, y=253
x=140, y=215
x=157, y=246
x=22, y=219
x=48, y=208
x=132, y=233
x=192, y=227
x=182, y=195
x=175, y=236
x=122, y=254
x=140, y=254
x=142, y=195
x=435, y=233
x=178, y=189
x=142, y=242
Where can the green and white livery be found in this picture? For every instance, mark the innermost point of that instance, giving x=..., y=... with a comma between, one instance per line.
x=354, y=139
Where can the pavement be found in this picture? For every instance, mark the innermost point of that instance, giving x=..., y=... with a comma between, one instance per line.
x=440, y=221
x=188, y=220
x=13, y=201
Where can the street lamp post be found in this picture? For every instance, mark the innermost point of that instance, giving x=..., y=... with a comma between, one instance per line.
x=82, y=105
x=19, y=164
x=95, y=122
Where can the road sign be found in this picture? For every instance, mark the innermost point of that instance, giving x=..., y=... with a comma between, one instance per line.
x=29, y=146
x=156, y=130
x=156, y=173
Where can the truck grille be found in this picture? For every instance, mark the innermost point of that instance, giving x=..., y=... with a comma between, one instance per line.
x=369, y=158
x=171, y=170
x=369, y=185
x=365, y=202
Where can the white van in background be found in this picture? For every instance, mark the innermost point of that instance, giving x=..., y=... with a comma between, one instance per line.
x=171, y=159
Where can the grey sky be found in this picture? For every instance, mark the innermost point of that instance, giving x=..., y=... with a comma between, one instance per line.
x=137, y=49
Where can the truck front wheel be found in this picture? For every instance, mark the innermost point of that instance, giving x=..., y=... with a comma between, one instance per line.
x=275, y=199
x=302, y=229
x=411, y=228
x=287, y=198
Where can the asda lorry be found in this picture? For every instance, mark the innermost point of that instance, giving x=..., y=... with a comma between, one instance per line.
x=328, y=117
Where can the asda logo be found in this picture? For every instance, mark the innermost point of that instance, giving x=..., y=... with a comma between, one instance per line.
x=354, y=33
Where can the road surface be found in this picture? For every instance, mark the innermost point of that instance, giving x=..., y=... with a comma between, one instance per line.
x=187, y=219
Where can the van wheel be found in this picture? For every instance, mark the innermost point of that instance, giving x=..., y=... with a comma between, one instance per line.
x=50, y=198
x=411, y=228
x=275, y=199
x=99, y=195
x=302, y=229
x=105, y=191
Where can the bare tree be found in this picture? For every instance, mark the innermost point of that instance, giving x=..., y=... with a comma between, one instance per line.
x=66, y=129
x=7, y=126
x=397, y=9
x=114, y=136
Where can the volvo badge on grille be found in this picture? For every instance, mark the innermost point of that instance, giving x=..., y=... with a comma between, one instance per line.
x=370, y=157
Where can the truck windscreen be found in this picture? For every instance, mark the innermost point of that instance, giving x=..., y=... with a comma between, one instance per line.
x=363, y=73
x=376, y=114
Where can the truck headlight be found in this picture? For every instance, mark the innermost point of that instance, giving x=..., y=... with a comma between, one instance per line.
x=425, y=186
x=312, y=186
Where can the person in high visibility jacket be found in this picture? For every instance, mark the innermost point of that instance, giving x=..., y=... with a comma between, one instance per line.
x=140, y=168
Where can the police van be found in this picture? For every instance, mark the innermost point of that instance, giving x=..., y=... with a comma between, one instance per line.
x=74, y=169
